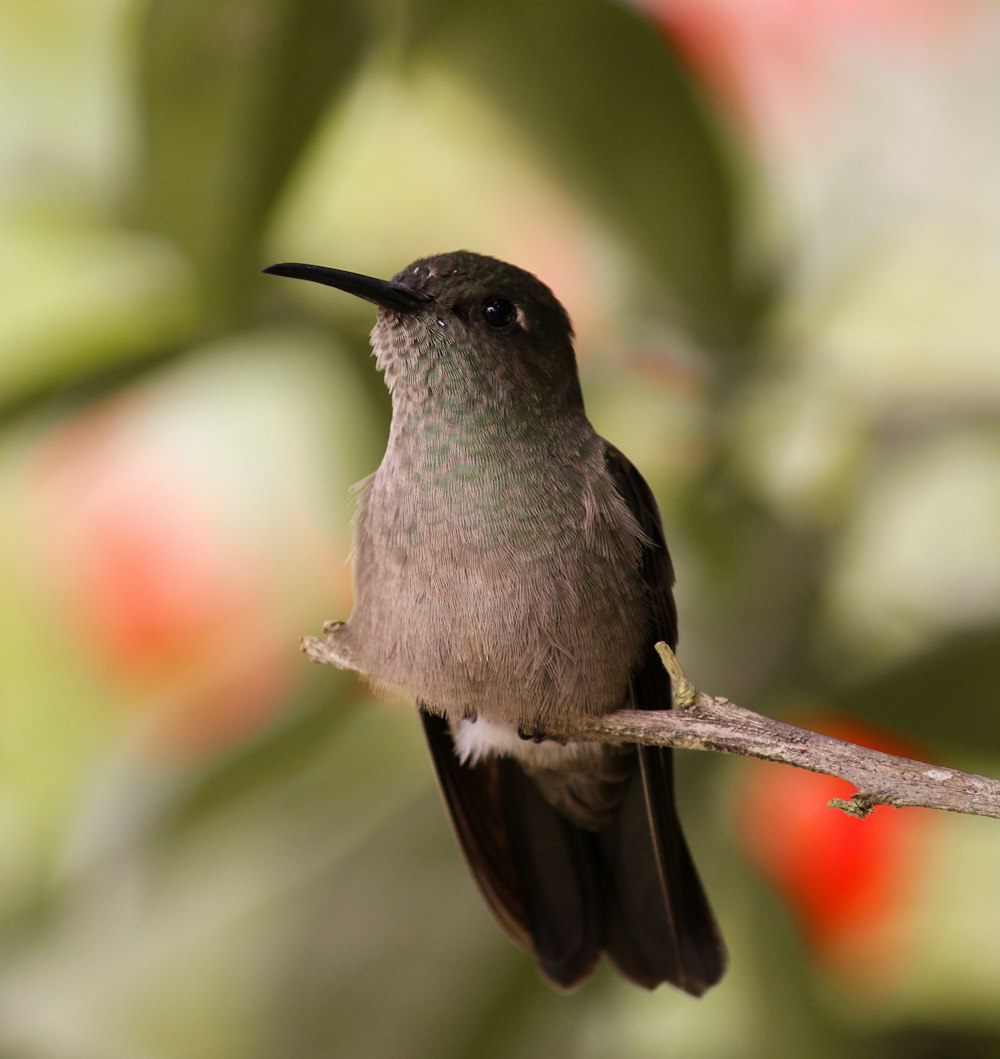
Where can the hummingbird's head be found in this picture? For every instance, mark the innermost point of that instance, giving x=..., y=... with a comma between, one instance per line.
x=464, y=320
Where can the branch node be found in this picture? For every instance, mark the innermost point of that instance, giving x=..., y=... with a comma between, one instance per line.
x=859, y=805
x=685, y=693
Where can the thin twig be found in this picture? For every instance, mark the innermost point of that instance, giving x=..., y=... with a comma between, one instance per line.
x=707, y=722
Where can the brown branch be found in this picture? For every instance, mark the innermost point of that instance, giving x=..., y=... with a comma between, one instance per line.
x=706, y=722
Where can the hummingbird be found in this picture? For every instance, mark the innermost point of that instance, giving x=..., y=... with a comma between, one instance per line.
x=510, y=572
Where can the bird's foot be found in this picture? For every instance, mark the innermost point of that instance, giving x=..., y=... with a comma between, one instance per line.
x=530, y=732
x=334, y=649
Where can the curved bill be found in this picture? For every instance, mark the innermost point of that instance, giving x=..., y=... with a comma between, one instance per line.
x=380, y=291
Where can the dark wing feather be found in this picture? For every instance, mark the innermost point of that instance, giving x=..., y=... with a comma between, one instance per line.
x=662, y=928
x=473, y=798
x=657, y=569
x=538, y=873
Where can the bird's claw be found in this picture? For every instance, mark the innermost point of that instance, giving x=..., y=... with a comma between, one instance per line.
x=530, y=732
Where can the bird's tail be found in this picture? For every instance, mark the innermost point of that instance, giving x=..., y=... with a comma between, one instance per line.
x=567, y=893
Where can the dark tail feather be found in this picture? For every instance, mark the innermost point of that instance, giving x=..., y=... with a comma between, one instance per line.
x=559, y=868
x=472, y=797
x=661, y=928
x=538, y=873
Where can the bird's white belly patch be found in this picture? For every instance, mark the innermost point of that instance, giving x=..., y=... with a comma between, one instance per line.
x=476, y=740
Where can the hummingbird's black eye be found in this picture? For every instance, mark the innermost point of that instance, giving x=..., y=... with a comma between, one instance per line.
x=499, y=314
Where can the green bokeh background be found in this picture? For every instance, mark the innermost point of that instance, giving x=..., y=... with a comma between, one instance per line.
x=801, y=352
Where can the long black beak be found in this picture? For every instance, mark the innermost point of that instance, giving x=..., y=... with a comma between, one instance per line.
x=380, y=291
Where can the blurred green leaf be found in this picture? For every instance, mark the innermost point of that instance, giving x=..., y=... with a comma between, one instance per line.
x=231, y=92
x=946, y=695
x=82, y=298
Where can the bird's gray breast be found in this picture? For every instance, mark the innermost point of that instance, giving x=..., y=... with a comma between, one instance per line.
x=514, y=595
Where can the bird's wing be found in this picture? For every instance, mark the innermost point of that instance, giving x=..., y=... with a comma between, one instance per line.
x=664, y=929
x=539, y=874
x=566, y=893
x=657, y=569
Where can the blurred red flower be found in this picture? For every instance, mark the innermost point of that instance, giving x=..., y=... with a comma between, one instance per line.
x=850, y=882
x=157, y=579
x=778, y=65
